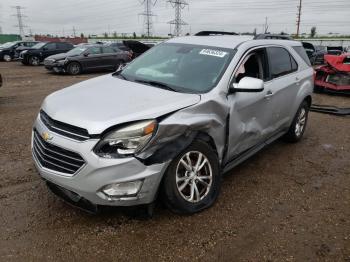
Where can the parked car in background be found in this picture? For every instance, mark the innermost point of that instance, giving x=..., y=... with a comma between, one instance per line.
x=8, y=50
x=87, y=58
x=172, y=122
x=40, y=51
x=135, y=48
x=334, y=77
x=310, y=51
x=319, y=54
x=335, y=50
x=23, y=48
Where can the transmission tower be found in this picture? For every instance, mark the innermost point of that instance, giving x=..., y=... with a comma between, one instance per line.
x=20, y=16
x=299, y=17
x=147, y=15
x=178, y=5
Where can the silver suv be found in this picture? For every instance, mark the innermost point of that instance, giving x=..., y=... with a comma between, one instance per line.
x=172, y=122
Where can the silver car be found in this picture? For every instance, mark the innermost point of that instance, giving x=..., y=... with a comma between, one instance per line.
x=170, y=123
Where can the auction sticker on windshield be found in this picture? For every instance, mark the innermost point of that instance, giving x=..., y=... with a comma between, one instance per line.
x=212, y=52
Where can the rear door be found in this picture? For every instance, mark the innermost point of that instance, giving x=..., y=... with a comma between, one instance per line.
x=284, y=86
x=109, y=57
x=92, y=58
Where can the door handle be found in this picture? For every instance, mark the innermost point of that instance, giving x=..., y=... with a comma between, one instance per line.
x=269, y=94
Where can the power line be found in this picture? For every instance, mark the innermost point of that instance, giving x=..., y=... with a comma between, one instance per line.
x=178, y=5
x=148, y=14
x=19, y=16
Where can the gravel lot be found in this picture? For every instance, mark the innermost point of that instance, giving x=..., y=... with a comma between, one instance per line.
x=290, y=202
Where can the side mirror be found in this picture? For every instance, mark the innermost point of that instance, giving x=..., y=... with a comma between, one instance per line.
x=248, y=84
x=45, y=48
x=86, y=54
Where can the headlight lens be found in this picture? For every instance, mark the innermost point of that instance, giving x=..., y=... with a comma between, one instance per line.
x=127, y=140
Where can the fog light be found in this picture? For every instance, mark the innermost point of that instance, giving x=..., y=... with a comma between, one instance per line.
x=123, y=189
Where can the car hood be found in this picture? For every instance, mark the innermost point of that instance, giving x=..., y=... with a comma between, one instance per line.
x=58, y=56
x=105, y=101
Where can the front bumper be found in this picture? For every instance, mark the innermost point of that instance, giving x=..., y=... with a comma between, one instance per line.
x=57, y=68
x=99, y=172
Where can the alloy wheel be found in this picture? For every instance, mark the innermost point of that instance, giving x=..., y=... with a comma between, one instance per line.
x=300, y=124
x=7, y=58
x=194, y=176
x=34, y=61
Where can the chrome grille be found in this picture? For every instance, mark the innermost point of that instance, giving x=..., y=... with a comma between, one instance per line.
x=64, y=129
x=56, y=158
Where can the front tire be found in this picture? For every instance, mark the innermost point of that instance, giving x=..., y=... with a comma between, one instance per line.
x=193, y=179
x=7, y=58
x=34, y=60
x=297, y=128
x=74, y=68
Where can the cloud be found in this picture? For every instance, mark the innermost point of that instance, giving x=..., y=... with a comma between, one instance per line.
x=122, y=16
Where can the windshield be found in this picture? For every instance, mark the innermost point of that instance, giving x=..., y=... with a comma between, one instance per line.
x=38, y=45
x=183, y=67
x=76, y=51
x=8, y=44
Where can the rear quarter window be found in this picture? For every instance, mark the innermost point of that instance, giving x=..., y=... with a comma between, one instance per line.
x=302, y=53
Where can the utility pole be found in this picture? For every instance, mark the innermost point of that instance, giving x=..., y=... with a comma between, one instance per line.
x=20, y=16
x=148, y=14
x=74, y=32
x=299, y=18
x=266, y=26
x=178, y=5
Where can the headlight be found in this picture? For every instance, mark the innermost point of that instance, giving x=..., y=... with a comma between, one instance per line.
x=127, y=140
x=23, y=52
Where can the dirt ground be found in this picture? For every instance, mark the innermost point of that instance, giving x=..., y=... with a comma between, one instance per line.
x=290, y=202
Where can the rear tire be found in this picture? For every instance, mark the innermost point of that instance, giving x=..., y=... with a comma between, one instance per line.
x=34, y=60
x=193, y=179
x=297, y=128
x=74, y=68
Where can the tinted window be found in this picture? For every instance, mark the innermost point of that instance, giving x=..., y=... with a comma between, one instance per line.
x=50, y=46
x=95, y=50
x=62, y=46
x=302, y=53
x=294, y=64
x=108, y=50
x=280, y=61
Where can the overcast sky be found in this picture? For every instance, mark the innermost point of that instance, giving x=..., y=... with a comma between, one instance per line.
x=96, y=17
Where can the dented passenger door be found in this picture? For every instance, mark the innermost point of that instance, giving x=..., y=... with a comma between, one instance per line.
x=250, y=112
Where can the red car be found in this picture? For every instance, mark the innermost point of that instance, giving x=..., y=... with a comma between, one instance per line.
x=334, y=77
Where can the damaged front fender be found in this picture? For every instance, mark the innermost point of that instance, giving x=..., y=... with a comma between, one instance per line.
x=206, y=120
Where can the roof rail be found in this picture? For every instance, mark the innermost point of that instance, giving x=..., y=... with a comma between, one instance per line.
x=208, y=33
x=272, y=36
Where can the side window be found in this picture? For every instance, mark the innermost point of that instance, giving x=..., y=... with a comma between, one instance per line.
x=253, y=65
x=108, y=50
x=96, y=50
x=63, y=46
x=294, y=64
x=302, y=53
x=50, y=46
x=280, y=61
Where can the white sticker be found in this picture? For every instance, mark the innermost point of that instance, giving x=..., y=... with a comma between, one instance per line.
x=212, y=52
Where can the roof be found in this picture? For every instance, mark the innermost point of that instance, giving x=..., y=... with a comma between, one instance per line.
x=230, y=41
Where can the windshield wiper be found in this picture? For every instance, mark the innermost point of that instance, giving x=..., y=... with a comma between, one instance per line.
x=157, y=84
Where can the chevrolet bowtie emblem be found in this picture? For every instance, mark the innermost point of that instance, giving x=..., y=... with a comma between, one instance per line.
x=46, y=136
